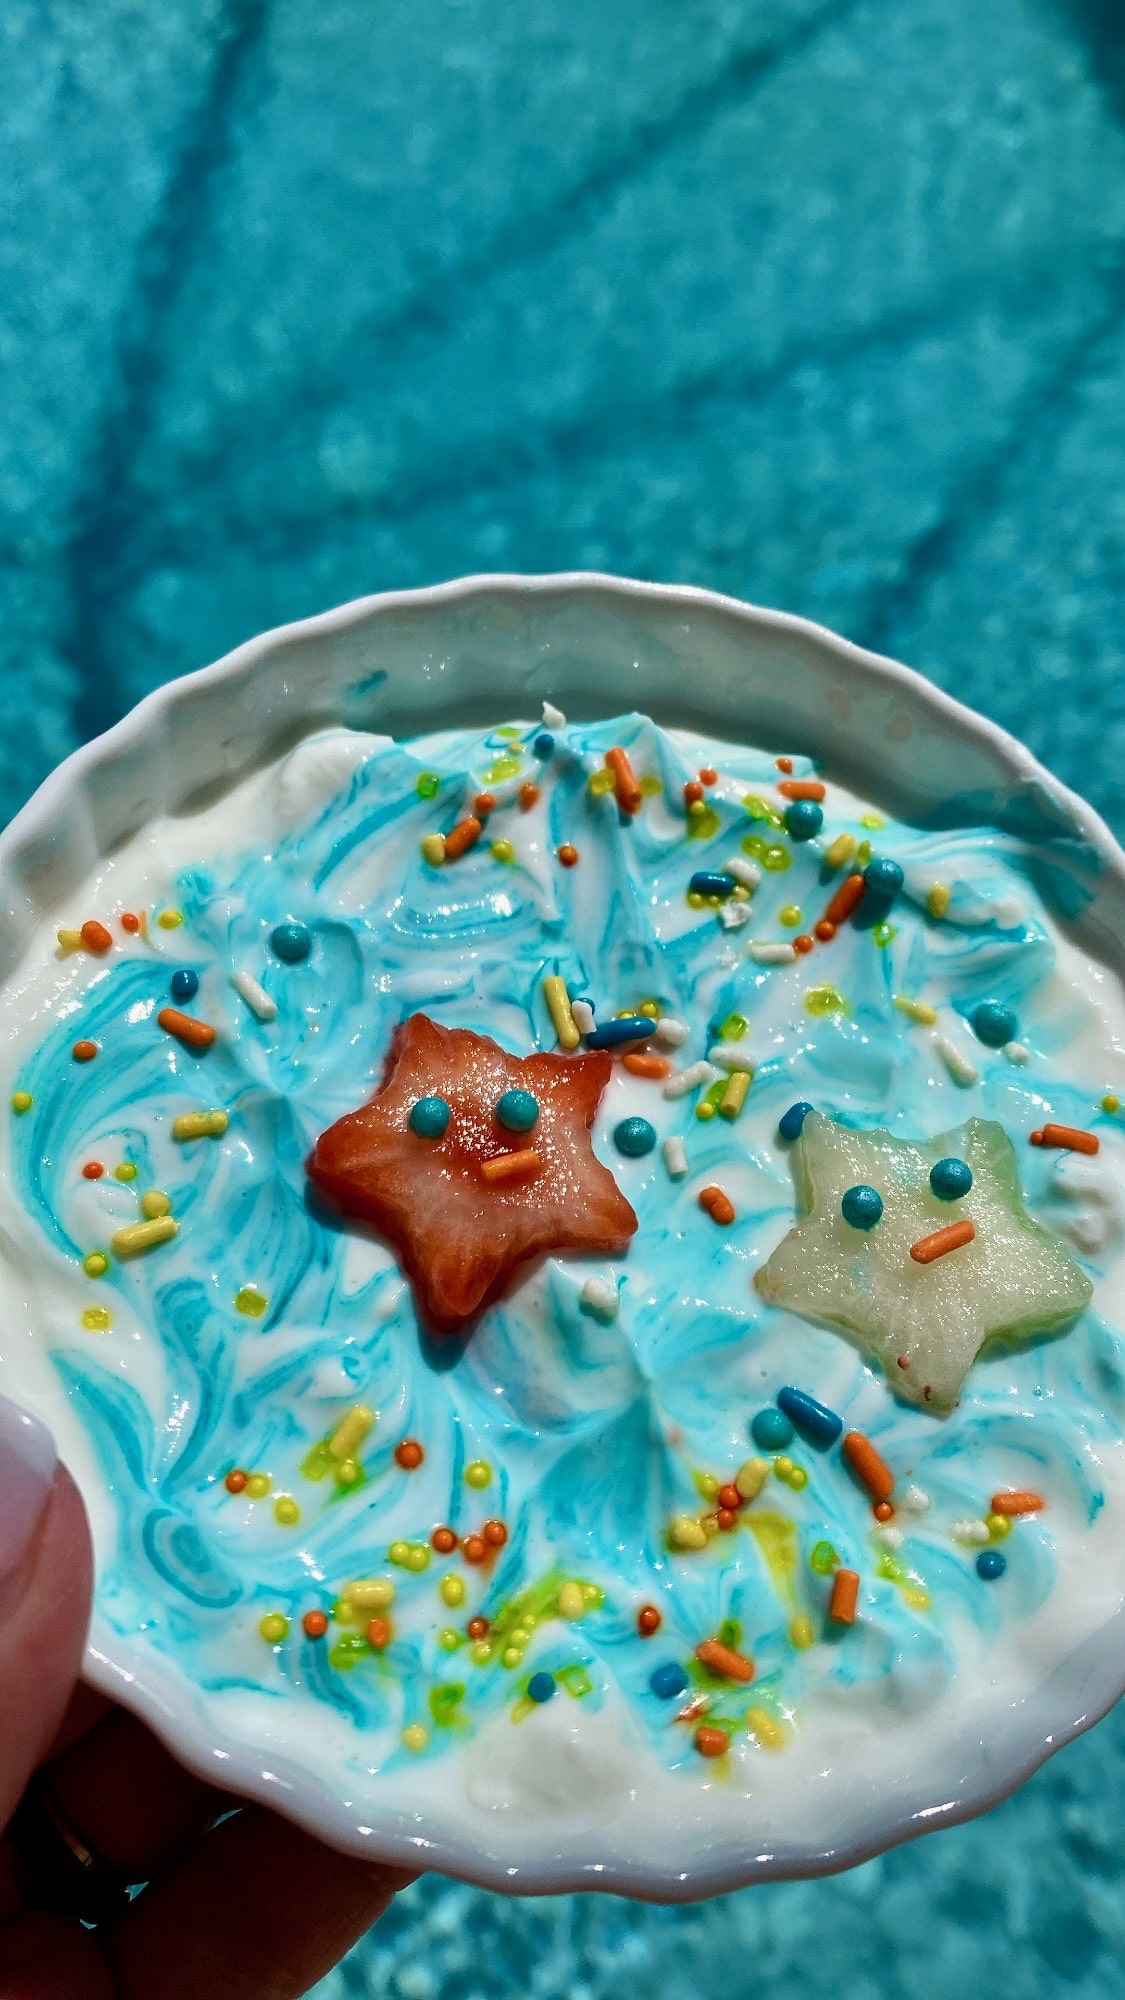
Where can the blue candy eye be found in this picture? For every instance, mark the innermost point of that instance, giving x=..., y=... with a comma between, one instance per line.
x=430, y=1117
x=291, y=942
x=517, y=1110
x=862, y=1207
x=185, y=983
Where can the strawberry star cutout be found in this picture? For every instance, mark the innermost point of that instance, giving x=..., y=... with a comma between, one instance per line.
x=459, y=1233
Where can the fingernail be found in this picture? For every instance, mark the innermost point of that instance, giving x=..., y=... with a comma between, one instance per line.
x=27, y=1470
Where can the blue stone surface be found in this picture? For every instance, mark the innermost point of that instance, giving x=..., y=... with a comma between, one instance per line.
x=815, y=301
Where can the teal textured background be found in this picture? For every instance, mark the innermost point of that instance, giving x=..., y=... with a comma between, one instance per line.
x=817, y=301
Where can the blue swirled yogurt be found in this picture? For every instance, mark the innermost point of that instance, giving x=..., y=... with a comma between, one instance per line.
x=706, y=1542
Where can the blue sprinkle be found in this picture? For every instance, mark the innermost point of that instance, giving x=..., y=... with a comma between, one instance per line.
x=634, y=1028
x=823, y=1426
x=292, y=942
x=790, y=1123
x=862, y=1207
x=429, y=1117
x=634, y=1137
x=771, y=1430
x=185, y=984
x=517, y=1110
x=668, y=1680
x=711, y=882
x=994, y=1024
x=803, y=819
x=541, y=1686
x=883, y=878
x=950, y=1179
x=991, y=1564
x=544, y=745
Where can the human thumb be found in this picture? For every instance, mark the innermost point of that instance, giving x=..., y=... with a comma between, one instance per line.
x=45, y=1579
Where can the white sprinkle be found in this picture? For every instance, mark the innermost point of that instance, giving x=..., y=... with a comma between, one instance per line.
x=763, y=952
x=956, y=1061
x=669, y=1032
x=914, y=1501
x=891, y=1537
x=690, y=1079
x=732, y=916
x=553, y=718
x=744, y=871
x=1007, y=912
x=255, y=996
x=1018, y=1053
x=584, y=1019
x=969, y=1531
x=675, y=1157
x=599, y=1295
x=731, y=1056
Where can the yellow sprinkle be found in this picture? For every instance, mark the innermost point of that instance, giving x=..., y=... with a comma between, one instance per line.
x=286, y=1510
x=872, y=821
x=155, y=1203
x=918, y=1600
x=70, y=940
x=21, y=1101
x=1110, y=1102
x=783, y=1466
x=345, y=1613
x=798, y=1479
x=397, y=1553
x=572, y=1604
x=511, y=1657
x=790, y=916
x=751, y=1477
x=351, y=1431
x=371, y=1593
x=696, y=899
x=502, y=850
x=840, y=850
x=600, y=782
x=593, y=1596
x=170, y=920
x=451, y=1589
x=686, y=1533
x=481, y=1654
x=418, y=1557
x=257, y=1486
x=704, y=1109
x=96, y=1264
x=449, y=1640
x=415, y=1737
x=916, y=1010
x=139, y=1236
x=801, y=1632
x=766, y=1728
x=939, y=899
x=347, y=1472
x=558, y=1007
x=998, y=1525
x=821, y=1001
x=249, y=1300
x=433, y=849
x=650, y=1009
x=125, y=1172
x=200, y=1125
x=96, y=1319
x=274, y=1627
x=651, y=785
x=478, y=1473
x=734, y=1096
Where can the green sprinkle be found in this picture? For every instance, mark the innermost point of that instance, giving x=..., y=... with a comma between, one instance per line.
x=823, y=1000
x=759, y=808
x=733, y=1028
x=428, y=785
x=251, y=1301
x=777, y=859
x=504, y=767
x=883, y=933
x=445, y=1701
x=863, y=854
x=575, y=1680
x=349, y=1649
x=703, y=825
x=449, y=1639
x=508, y=729
x=824, y=1559
x=872, y=821
x=502, y=850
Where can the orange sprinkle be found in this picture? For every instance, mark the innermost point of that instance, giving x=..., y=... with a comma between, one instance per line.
x=409, y=1454
x=509, y=1166
x=845, y=1591
x=848, y=895
x=235, y=1481
x=718, y=1205
x=952, y=1237
x=784, y=763
x=567, y=854
x=698, y=1705
x=801, y=788
x=727, y=1519
x=638, y=1064
x=729, y=1496
x=629, y=793
x=444, y=1541
x=464, y=835
x=95, y=936
x=93, y=1170
x=724, y=1660
x=529, y=795
x=1017, y=1503
x=84, y=1051
x=708, y=776
x=803, y=943
x=867, y=1465
x=130, y=922
x=711, y=1742
x=648, y=1620
x=495, y=1534
x=379, y=1633
x=692, y=793
x=825, y=930
x=1070, y=1136
x=315, y=1624
x=477, y=1628
x=186, y=1028
x=883, y=1511
x=474, y=1549
x=484, y=803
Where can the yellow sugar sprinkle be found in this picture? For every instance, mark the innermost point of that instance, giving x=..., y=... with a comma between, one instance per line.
x=734, y=1096
x=558, y=1007
x=125, y=1172
x=170, y=920
x=154, y=1202
x=274, y=1627
x=916, y=1010
x=600, y=782
x=70, y=940
x=872, y=821
x=140, y=1236
x=350, y=1432
x=370, y=1593
x=96, y=1264
x=478, y=1474
x=502, y=850
x=939, y=899
x=452, y=1591
x=766, y=1728
x=1110, y=1102
x=21, y=1101
x=96, y=1319
x=286, y=1510
x=200, y=1125
x=257, y=1486
x=433, y=849
x=415, y=1737
x=572, y=1603
x=801, y=1632
x=249, y=1300
x=839, y=850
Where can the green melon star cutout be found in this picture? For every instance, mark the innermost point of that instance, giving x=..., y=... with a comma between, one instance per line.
x=926, y=1323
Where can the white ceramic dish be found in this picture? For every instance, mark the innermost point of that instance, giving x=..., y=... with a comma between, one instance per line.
x=465, y=652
